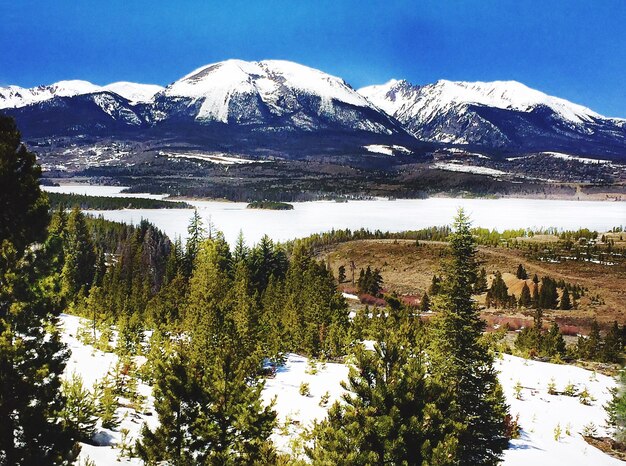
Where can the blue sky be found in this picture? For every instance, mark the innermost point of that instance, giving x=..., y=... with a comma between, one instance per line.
x=572, y=49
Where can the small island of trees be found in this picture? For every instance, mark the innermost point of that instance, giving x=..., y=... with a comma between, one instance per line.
x=269, y=205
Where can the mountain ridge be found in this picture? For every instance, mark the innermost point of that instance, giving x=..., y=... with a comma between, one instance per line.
x=256, y=102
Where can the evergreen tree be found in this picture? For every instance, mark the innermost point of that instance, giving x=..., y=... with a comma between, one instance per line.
x=80, y=256
x=79, y=413
x=612, y=347
x=196, y=233
x=341, y=274
x=565, y=303
x=616, y=409
x=521, y=272
x=548, y=295
x=553, y=342
x=425, y=303
x=525, y=299
x=393, y=413
x=458, y=354
x=480, y=286
x=498, y=293
x=32, y=356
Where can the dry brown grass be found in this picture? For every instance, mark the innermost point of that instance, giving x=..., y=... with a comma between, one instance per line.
x=408, y=270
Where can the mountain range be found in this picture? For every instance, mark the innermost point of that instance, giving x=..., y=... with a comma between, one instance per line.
x=287, y=109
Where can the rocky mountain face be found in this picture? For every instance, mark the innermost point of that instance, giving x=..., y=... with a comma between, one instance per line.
x=286, y=109
x=498, y=116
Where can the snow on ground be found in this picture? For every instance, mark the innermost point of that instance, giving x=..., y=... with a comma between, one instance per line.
x=93, y=365
x=350, y=296
x=539, y=412
x=220, y=159
x=560, y=155
x=386, y=150
x=457, y=167
x=296, y=411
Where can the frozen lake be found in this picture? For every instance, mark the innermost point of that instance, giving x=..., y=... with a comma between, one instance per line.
x=399, y=215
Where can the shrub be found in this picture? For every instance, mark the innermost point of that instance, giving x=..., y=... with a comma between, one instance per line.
x=304, y=389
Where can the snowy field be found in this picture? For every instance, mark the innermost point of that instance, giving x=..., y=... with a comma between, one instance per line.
x=400, y=215
x=539, y=412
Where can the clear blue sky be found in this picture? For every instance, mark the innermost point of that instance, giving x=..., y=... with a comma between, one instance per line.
x=573, y=49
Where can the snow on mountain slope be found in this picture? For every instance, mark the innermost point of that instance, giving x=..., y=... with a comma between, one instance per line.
x=272, y=92
x=134, y=92
x=217, y=84
x=503, y=115
x=403, y=100
x=15, y=96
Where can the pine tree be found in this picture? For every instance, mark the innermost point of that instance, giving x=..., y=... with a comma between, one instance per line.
x=616, y=409
x=521, y=272
x=565, y=303
x=612, y=347
x=79, y=413
x=459, y=356
x=107, y=404
x=393, y=413
x=196, y=233
x=341, y=274
x=172, y=441
x=525, y=298
x=32, y=356
x=425, y=303
x=80, y=255
x=480, y=286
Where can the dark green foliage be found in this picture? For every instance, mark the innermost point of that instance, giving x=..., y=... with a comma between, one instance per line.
x=616, y=409
x=498, y=293
x=591, y=347
x=612, y=347
x=548, y=295
x=370, y=281
x=23, y=207
x=425, y=303
x=525, y=300
x=85, y=202
x=480, y=286
x=393, y=413
x=341, y=274
x=460, y=358
x=435, y=286
x=521, y=272
x=565, y=303
x=269, y=205
x=80, y=256
x=32, y=356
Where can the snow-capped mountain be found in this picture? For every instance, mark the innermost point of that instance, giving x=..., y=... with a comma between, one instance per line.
x=16, y=97
x=272, y=95
x=285, y=108
x=504, y=115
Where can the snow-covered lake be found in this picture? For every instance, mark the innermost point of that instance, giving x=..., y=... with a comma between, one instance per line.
x=400, y=215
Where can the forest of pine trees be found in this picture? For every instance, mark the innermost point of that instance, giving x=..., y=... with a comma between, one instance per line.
x=220, y=316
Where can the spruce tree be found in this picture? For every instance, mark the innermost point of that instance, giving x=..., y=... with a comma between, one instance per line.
x=393, y=412
x=32, y=356
x=79, y=414
x=459, y=355
x=80, y=255
x=565, y=303
x=525, y=298
x=616, y=409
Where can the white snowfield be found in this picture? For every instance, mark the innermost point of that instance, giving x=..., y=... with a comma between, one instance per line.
x=216, y=84
x=405, y=101
x=16, y=96
x=458, y=167
x=539, y=412
x=386, y=150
